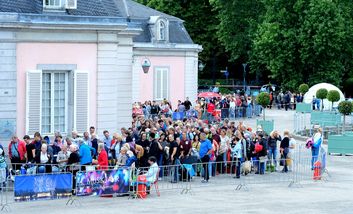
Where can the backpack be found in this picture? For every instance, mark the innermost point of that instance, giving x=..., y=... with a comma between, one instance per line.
x=309, y=143
x=258, y=147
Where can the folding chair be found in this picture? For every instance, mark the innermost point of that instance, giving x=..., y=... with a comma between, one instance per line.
x=155, y=184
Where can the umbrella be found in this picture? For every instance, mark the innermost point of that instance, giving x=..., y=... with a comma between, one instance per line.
x=209, y=95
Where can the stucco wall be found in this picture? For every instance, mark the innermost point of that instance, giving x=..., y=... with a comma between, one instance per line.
x=143, y=84
x=29, y=55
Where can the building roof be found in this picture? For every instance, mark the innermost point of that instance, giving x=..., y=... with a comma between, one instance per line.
x=134, y=12
x=84, y=7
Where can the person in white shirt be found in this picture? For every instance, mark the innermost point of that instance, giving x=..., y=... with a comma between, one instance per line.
x=290, y=155
x=151, y=174
x=232, y=109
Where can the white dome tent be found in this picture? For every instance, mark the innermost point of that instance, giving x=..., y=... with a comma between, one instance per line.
x=308, y=97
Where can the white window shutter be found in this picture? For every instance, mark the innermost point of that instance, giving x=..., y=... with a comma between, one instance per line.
x=157, y=84
x=165, y=81
x=33, y=101
x=81, y=101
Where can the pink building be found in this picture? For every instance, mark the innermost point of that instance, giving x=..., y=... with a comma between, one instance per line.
x=67, y=67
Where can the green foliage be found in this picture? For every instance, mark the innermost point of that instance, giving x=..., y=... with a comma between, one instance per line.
x=333, y=96
x=345, y=107
x=348, y=87
x=303, y=88
x=225, y=91
x=288, y=42
x=263, y=99
x=302, y=40
x=238, y=21
x=321, y=93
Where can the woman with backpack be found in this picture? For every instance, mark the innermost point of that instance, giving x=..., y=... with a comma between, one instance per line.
x=315, y=148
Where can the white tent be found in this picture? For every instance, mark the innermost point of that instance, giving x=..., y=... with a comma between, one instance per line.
x=308, y=97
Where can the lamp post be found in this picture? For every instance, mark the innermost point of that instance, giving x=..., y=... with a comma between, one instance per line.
x=244, y=74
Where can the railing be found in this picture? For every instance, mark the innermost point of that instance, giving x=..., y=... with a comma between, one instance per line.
x=76, y=181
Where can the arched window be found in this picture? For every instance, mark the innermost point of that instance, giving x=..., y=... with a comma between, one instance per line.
x=162, y=30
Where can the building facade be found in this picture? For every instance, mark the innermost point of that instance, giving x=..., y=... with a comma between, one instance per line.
x=67, y=67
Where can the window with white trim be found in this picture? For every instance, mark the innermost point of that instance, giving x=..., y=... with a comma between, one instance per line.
x=161, y=83
x=54, y=102
x=162, y=30
x=52, y=4
x=57, y=101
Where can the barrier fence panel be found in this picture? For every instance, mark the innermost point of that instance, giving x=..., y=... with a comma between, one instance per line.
x=41, y=182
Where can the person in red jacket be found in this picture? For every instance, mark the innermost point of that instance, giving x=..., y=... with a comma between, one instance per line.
x=102, y=162
x=210, y=110
x=17, y=151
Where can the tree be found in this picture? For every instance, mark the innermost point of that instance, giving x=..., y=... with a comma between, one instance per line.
x=303, y=88
x=345, y=108
x=333, y=96
x=348, y=87
x=322, y=94
x=302, y=40
x=238, y=21
x=263, y=99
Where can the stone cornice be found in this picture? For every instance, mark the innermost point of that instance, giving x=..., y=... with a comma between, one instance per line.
x=65, y=22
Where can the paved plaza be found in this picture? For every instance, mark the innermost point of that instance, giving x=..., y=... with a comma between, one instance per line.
x=333, y=196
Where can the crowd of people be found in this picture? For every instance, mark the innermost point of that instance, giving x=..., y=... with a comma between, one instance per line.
x=206, y=108
x=155, y=138
x=169, y=142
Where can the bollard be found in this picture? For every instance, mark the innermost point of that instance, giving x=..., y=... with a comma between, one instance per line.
x=317, y=170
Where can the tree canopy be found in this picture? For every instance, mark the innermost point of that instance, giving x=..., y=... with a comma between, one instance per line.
x=286, y=42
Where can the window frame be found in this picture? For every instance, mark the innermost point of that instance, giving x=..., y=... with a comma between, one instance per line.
x=52, y=101
x=164, y=71
x=162, y=28
x=50, y=7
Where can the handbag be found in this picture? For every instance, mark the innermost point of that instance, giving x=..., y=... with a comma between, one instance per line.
x=281, y=162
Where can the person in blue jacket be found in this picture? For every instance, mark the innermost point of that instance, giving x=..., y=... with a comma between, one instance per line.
x=86, y=154
x=315, y=148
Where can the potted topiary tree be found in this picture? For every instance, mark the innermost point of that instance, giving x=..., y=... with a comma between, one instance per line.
x=322, y=94
x=345, y=108
x=333, y=96
x=263, y=99
x=303, y=88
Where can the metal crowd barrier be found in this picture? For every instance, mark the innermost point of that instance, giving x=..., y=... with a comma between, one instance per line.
x=87, y=181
